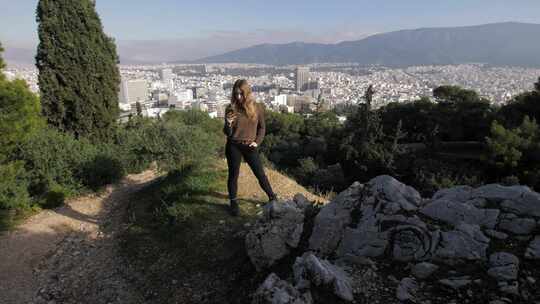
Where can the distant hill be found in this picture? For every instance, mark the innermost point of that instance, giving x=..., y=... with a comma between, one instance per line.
x=508, y=43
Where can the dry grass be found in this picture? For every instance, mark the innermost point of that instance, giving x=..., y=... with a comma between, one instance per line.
x=284, y=186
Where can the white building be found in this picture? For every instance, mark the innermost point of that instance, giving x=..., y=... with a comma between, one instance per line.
x=179, y=99
x=154, y=112
x=166, y=75
x=132, y=91
x=280, y=100
x=161, y=98
x=302, y=78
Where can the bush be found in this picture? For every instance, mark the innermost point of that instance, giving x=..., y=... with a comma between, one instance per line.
x=54, y=159
x=101, y=170
x=173, y=145
x=130, y=145
x=13, y=188
x=54, y=197
x=59, y=163
x=428, y=175
x=514, y=150
x=173, y=142
x=19, y=114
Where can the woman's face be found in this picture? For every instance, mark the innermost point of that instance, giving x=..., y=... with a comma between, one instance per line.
x=239, y=95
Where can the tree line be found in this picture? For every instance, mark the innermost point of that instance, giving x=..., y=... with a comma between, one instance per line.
x=465, y=139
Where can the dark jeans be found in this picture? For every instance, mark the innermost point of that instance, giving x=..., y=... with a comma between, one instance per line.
x=234, y=153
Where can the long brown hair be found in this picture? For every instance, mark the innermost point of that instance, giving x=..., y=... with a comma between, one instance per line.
x=248, y=104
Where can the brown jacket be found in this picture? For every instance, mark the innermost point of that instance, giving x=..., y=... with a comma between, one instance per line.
x=246, y=130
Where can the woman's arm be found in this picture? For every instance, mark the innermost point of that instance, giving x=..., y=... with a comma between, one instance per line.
x=227, y=127
x=227, y=130
x=261, y=126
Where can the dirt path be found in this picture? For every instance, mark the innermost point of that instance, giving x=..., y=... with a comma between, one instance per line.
x=70, y=255
x=55, y=255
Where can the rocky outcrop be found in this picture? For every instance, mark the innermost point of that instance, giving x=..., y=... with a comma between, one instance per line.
x=520, y=200
x=533, y=250
x=310, y=270
x=276, y=291
x=276, y=233
x=424, y=270
x=332, y=220
x=466, y=242
x=503, y=266
x=390, y=190
x=407, y=289
x=510, y=222
x=452, y=241
x=455, y=212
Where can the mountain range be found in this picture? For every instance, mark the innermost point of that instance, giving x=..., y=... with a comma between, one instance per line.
x=501, y=44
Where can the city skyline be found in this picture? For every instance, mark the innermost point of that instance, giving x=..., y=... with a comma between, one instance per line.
x=160, y=28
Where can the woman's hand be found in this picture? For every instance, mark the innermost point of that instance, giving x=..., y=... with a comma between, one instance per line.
x=231, y=116
x=253, y=145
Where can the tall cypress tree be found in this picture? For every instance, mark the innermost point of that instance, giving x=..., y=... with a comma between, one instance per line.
x=78, y=73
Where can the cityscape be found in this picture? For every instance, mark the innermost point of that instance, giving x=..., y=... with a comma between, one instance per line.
x=298, y=89
x=293, y=152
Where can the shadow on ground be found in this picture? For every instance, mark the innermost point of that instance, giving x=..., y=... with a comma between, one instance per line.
x=48, y=256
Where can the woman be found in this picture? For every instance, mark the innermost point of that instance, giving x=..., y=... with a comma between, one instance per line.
x=245, y=129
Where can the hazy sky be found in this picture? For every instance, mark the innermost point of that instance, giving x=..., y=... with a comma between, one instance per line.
x=205, y=27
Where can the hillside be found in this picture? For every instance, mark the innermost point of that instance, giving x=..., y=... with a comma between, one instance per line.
x=88, y=240
x=507, y=43
x=380, y=241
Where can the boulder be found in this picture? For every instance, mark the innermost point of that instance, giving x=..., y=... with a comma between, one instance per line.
x=515, y=199
x=498, y=193
x=511, y=288
x=503, y=266
x=477, y=202
x=466, y=242
x=424, y=270
x=527, y=205
x=363, y=243
x=456, y=282
x=407, y=290
x=533, y=250
x=512, y=223
x=458, y=194
x=276, y=291
x=311, y=271
x=494, y=234
x=412, y=243
x=275, y=234
x=332, y=219
x=301, y=201
x=454, y=212
x=391, y=190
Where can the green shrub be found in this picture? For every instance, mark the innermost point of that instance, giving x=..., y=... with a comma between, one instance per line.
x=55, y=159
x=53, y=197
x=173, y=146
x=130, y=145
x=510, y=180
x=101, y=170
x=195, y=118
x=19, y=114
x=13, y=188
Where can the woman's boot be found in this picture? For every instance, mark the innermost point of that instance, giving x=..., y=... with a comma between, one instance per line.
x=233, y=208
